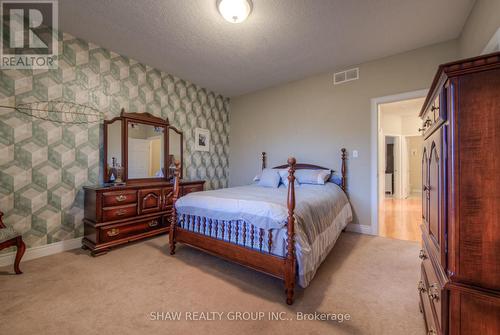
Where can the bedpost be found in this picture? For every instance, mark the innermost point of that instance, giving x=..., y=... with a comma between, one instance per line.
x=343, y=170
x=175, y=196
x=290, y=248
x=263, y=160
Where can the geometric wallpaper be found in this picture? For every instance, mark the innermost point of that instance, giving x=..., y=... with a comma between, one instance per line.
x=43, y=165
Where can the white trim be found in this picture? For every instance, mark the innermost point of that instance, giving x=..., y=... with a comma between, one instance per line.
x=360, y=228
x=494, y=43
x=42, y=250
x=374, y=147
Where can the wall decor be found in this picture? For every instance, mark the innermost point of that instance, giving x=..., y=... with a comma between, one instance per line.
x=44, y=164
x=202, y=139
x=59, y=111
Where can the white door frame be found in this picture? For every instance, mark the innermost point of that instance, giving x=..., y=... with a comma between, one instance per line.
x=375, y=120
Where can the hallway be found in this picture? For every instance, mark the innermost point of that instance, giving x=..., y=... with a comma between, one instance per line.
x=401, y=218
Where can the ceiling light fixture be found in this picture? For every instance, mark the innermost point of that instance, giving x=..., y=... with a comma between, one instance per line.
x=234, y=11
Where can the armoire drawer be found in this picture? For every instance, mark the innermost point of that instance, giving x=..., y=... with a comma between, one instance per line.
x=435, y=285
x=426, y=305
x=118, y=198
x=118, y=232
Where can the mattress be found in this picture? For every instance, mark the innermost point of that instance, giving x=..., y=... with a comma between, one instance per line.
x=321, y=212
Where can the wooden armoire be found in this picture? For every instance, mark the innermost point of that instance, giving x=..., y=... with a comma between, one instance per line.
x=460, y=271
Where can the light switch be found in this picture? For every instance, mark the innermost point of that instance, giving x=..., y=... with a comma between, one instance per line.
x=355, y=154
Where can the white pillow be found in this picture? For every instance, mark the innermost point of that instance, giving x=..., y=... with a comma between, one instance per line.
x=269, y=178
x=309, y=176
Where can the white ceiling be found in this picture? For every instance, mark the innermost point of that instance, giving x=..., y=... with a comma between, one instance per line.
x=282, y=40
x=409, y=107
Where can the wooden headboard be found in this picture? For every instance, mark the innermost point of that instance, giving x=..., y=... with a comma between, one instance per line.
x=300, y=166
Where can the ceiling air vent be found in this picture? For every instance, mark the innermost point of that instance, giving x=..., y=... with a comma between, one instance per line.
x=345, y=76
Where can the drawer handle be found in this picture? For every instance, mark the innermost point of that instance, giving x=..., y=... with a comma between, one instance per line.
x=121, y=212
x=121, y=198
x=422, y=254
x=431, y=332
x=434, y=292
x=434, y=108
x=153, y=223
x=421, y=286
x=113, y=232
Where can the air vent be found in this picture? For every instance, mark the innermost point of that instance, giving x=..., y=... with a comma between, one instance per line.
x=345, y=76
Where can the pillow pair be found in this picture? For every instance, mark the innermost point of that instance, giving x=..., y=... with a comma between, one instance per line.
x=309, y=176
x=272, y=177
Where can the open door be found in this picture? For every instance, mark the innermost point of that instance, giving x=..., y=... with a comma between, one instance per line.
x=397, y=167
x=405, y=167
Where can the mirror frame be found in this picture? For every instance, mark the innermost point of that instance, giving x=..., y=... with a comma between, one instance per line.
x=143, y=118
x=182, y=149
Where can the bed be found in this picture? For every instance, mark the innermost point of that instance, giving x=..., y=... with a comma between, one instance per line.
x=285, y=232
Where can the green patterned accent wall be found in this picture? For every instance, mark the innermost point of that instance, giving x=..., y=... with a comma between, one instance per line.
x=43, y=165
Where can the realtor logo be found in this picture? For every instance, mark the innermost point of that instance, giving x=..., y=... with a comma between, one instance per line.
x=29, y=34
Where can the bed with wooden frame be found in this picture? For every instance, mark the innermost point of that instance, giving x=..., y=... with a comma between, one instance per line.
x=282, y=267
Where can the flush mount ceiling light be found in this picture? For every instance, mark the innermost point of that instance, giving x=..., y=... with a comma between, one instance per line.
x=234, y=11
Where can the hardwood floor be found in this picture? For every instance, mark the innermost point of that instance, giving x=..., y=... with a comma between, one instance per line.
x=400, y=218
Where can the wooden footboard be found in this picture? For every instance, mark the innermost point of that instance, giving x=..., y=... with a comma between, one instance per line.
x=238, y=241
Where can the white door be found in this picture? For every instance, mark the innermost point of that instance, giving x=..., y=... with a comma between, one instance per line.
x=405, y=145
x=138, y=158
x=397, y=167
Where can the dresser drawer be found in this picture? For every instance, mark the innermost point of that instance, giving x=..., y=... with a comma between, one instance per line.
x=192, y=188
x=123, y=231
x=118, y=198
x=119, y=212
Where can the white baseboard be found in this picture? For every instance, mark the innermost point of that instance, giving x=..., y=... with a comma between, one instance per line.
x=41, y=251
x=360, y=228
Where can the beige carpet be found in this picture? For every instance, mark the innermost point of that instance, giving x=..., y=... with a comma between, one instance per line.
x=371, y=278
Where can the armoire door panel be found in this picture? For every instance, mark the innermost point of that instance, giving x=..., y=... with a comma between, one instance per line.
x=479, y=184
x=435, y=192
x=425, y=183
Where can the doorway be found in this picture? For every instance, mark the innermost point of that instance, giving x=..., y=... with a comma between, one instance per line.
x=399, y=169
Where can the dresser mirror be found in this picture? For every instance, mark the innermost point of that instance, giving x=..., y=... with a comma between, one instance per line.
x=140, y=147
x=145, y=150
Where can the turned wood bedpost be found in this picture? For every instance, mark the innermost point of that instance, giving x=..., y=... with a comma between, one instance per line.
x=263, y=160
x=290, y=248
x=175, y=196
x=343, y=170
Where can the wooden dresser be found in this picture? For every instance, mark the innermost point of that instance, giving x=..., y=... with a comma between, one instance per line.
x=460, y=272
x=120, y=214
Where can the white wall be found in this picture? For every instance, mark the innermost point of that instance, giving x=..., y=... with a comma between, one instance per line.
x=482, y=23
x=415, y=144
x=410, y=124
x=312, y=119
x=390, y=123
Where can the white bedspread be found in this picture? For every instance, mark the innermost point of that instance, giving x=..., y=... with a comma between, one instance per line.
x=321, y=212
